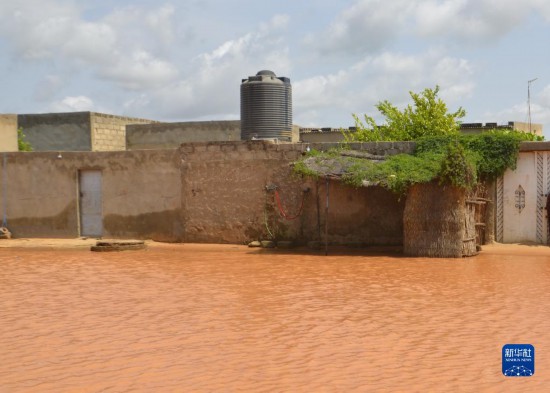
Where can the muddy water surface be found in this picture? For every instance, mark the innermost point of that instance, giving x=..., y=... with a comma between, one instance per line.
x=226, y=318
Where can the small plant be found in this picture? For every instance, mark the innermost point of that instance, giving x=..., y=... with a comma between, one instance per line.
x=428, y=116
x=22, y=143
x=458, y=167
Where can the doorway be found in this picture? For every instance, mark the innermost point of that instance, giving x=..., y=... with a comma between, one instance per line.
x=91, y=215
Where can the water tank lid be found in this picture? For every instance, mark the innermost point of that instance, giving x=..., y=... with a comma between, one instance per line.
x=265, y=73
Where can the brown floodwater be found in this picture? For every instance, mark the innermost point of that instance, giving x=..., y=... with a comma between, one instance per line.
x=203, y=318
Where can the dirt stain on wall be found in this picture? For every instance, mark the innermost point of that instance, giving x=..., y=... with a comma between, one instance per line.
x=164, y=226
x=64, y=224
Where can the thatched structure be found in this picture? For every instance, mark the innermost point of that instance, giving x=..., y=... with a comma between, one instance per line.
x=433, y=221
x=438, y=221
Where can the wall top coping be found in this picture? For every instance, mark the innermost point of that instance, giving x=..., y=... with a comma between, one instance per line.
x=534, y=146
x=54, y=155
x=83, y=114
x=126, y=118
x=221, y=124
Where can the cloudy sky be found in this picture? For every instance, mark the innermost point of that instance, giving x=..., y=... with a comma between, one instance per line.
x=184, y=60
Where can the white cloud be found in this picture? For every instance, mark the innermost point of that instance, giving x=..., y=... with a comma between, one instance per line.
x=540, y=112
x=91, y=43
x=388, y=76
x=117, y=47
x=472, y=20
x=161, y=23
x=366, y=26
x=543, y=7
x=139, y=70
x=73, y=104
x=544, y=97
x=371, y=26
x=213, y=88
x=36, y=28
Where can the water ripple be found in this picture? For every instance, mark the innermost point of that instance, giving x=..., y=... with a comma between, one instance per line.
x=223, y=318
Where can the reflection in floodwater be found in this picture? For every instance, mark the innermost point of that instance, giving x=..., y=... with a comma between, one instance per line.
x=225, y=318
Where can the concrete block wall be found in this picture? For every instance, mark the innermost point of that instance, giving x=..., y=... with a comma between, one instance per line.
x=108, y=132
x=172, y=135
x=57, y=131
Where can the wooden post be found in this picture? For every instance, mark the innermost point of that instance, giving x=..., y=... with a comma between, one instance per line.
x=327, y=185
x=490, y=211
x=318, y=202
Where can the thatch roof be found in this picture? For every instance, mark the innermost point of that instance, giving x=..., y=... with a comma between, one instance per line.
x=336, y=166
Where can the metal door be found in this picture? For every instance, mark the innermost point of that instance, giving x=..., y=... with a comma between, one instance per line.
x=91, y=223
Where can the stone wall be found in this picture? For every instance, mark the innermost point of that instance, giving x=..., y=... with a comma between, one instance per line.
x=8, y=133
x=57, y=131
x=109, y=131
x=171, y=135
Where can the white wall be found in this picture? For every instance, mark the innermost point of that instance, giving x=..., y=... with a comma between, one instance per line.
x=515, y=225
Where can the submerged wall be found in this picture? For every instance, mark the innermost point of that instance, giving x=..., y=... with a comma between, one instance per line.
x=225, y=199
x=203, y=192
x=140, y=193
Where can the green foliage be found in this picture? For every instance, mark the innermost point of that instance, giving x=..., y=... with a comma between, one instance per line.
x=22, y=144
x=494, y=151
x=442, y=153
x=458, y=167
x=397, y=173
x=459, y=160
x=428, y=117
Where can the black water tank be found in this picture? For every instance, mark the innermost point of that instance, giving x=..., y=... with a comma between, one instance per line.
x=266, y=107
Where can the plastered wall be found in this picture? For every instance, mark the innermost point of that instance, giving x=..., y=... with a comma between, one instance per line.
x=202, y=192
x=226, y=201
x=141, y=193
x=8, y=133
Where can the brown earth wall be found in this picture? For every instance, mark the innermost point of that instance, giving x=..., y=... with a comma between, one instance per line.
x=225, y=199
x=140, y=193
x=210, y=192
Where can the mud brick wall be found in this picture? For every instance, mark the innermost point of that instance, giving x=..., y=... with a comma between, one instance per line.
x=225, y=199
x=141, y=193
x=210, y=192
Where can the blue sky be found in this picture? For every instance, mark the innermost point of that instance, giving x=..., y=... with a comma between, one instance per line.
x=184, y=60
